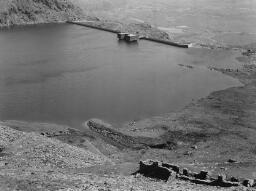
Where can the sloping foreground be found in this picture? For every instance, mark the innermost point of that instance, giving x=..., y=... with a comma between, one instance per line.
x=18, y=12
x=44, y=181
x=29, y=150
x=29, y=161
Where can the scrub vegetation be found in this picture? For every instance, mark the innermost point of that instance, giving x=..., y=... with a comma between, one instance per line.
x=20, y=12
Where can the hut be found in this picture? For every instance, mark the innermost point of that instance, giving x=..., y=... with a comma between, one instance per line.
x=121, y=35
x=131, y=38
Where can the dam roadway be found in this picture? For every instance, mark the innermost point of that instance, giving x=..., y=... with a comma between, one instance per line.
x=141, y=38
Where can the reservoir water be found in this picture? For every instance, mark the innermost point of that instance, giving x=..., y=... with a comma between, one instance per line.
x=67, y=74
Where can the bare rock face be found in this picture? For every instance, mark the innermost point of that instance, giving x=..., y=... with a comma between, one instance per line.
x=18, y=12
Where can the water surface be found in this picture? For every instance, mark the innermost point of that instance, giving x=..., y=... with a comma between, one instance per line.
x=67, y=74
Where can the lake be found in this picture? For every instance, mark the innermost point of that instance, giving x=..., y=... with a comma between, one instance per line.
x=67, y=74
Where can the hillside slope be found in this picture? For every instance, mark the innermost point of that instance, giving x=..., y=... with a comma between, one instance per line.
x=18, y=12
x=24, y=150
x=30, y=161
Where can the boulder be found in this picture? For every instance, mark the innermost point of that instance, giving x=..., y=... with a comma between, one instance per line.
x=232, y=161
x=248, y=182
x=194, y=147
x=234, y=179
x=221, y=178
x=185, y=172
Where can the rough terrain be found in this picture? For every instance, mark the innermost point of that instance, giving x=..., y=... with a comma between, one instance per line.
x=216, y=133
x=20, y=12
x=24, y=12
x=30, y=161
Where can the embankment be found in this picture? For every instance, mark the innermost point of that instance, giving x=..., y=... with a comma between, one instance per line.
x=159, y=39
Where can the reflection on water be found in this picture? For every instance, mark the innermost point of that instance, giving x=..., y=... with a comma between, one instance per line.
x=67, y=74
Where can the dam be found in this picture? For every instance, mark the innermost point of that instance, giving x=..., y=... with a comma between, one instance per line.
x=167, y=42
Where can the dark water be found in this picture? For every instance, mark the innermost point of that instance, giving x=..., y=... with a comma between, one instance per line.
x=67, y=74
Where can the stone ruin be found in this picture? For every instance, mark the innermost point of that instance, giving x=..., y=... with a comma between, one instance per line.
x=166, y=171
x=153, y=170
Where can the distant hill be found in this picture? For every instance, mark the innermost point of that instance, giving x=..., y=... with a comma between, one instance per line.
x=18, y=12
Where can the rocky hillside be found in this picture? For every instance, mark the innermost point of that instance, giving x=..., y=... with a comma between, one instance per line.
x=31, y=161
x=18, y=12
x=19, y=149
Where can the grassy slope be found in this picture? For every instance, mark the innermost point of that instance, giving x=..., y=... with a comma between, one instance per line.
x=15, y=12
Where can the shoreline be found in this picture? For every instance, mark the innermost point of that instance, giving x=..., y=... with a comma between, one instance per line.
x=109, y=24
x=144, y=29
x=203, y=135
x=113, y=25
